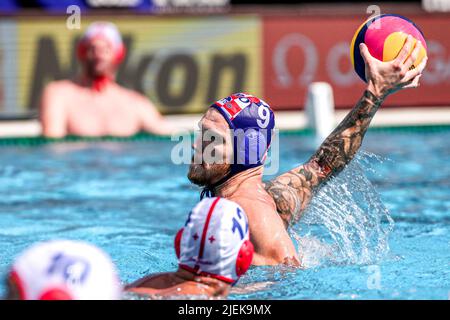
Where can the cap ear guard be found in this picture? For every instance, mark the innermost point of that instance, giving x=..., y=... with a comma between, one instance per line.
x=244, y=258
x=55, y=294
x=250, y=149
x=49, y=294
x=16, y=281
x=178, y=242
x=121, y=53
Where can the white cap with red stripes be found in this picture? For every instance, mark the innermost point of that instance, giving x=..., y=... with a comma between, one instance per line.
x=65, y=270
x=104, y=30
x=215, y=240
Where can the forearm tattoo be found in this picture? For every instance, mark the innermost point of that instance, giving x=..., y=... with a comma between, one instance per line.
x=293, y=190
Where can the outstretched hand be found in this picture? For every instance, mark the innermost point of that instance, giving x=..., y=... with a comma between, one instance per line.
x=385, y=78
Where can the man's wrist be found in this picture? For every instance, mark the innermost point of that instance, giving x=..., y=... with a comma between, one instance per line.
x=375, y=99
x=378, y=93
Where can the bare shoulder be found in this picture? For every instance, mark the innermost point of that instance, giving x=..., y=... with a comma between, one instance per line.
x=60, y=85
x=131, y=94
x=55, y=98
x=256, y=197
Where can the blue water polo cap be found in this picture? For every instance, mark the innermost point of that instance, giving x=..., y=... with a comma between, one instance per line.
x=252, y=121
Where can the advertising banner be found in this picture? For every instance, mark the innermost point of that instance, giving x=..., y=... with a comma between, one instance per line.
x=8, y=67
x=181, y=64
x=300, y=50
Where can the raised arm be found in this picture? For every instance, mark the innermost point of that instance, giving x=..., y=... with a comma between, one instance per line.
x=293, y=190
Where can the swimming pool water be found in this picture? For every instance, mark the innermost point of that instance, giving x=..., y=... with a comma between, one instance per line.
x=127, y=198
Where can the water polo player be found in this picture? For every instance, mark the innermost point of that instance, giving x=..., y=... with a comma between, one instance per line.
x=213, y=250
x=272, y=206
x=63, y=270
x=93, y=104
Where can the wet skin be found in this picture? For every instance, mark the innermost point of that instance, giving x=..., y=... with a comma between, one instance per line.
x=179, y=283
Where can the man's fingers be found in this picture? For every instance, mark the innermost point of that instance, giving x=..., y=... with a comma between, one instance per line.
x=411, y=74
x=365, y=52
x=404, y=52
x=413, y=56
x=414, y=83
x=423, y=64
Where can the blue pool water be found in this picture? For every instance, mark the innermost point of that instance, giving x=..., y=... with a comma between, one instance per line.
x=380, y=230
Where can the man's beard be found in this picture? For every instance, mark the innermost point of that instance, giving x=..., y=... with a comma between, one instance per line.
x=207, y=176
x=92, y=71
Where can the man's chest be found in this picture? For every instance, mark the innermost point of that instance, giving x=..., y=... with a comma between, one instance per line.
x=108, y=112
x=93, y=103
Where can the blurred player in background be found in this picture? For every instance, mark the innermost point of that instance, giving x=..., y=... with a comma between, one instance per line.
x=213, y=250
x=63, y=270
x=94, y=104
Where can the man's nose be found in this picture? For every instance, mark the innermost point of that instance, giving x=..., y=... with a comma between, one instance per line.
x=98, y=54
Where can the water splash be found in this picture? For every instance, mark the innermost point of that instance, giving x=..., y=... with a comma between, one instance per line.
x=346, y=222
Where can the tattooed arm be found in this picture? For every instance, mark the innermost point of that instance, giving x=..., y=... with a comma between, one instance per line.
x=292, y=191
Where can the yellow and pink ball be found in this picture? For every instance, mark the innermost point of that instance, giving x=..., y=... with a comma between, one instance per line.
x=384, y=36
